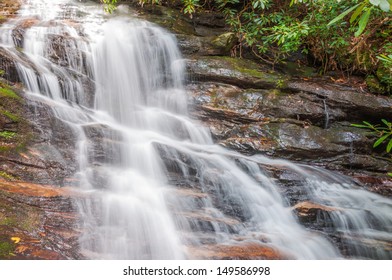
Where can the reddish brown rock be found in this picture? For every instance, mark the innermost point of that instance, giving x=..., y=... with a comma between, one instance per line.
x=37, y=222
x=31, y=189
x=308, y=208
x=8, y=9
x=243, y=251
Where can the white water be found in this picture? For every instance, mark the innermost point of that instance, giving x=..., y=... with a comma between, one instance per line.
x=155, y=183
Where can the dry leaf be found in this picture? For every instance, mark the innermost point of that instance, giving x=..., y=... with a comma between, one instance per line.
x=15, y=239
x=21, y=249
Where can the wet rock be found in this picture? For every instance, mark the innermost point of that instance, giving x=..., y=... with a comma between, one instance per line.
x=206, y=220
x=315, y=106
x=368, y=163
x=8, y=9
x=35, y=146
x=375, y=183
x=241, y=251
x=303, y=142
x=7, y=64
x=34, y=215
x=218, y=45
x=356, y=105
x=64, y=50
x=302, y=125
x=43, y=158
x=239, y=72
x=19, y=31
x=203, y=34
x=311, y=212
x=105, y=145
x=367, y=247
x=171, y=16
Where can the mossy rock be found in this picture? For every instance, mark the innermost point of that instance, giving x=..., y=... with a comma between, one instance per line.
x=374, y=85
x=6, y=91
x=225, y=41
x=7, y=176
x=7, y=249
x=15, y=130
x=22, y=216
x=234, y=71
x=384, y=75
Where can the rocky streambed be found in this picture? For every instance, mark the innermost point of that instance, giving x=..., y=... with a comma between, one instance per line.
x=249, y=107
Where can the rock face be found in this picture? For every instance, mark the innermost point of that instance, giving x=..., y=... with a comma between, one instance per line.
x=254, y=109
x=306, y=122
x=8, y=9
x=37, y=216
x=247, y=251
x=248, y=107
x=37, y=222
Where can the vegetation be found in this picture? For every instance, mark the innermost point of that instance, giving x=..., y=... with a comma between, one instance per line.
x=7, y=92
x=383, y=132
x=110, y=5
x=6, y=249
x=7, y=134
x=351, y=36
x=7, y=176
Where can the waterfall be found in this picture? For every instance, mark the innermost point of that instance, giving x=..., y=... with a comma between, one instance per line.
x=154, y=184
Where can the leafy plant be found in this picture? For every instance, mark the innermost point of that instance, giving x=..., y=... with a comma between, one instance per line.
x=382, y=131
x=364, y=10
x=385, y=58
x=110, y=5
x=351, y=36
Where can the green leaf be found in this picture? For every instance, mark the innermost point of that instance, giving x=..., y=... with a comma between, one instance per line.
x=363, y=21
x=357, y=12
x=342, y=15
x=368, y=124
x=359, y=125
x=389, y=174
x=381, y=139
x=385, y=58
x=375, y=2
x=388, y=124
x=389, y=146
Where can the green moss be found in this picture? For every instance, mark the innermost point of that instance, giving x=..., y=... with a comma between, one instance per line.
x=4, y=148
x=8, y=221
x=7, y=176
x=6, y=249
x=246, y=67
x=374, y=84
x=7, y=134
x=25, y=217
x=250, y=68
x=281, y=83
x=225, y=41
x=10, y=115
x=276, y=92
x=31, y=221
x=384, y=75
x=7, y=92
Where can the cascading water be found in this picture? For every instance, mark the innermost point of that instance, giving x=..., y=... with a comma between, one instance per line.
x=155, y=185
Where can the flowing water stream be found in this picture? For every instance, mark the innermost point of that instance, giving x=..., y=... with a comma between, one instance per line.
x=156, y=187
